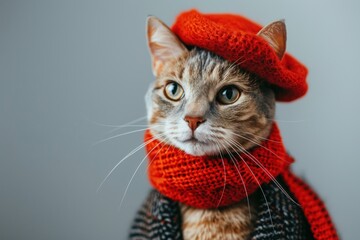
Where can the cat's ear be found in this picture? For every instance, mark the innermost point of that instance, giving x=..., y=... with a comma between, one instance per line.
x=275, y=35
x=164, y=45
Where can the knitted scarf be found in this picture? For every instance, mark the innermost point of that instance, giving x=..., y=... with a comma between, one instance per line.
x=199, y=181
x=211, y=182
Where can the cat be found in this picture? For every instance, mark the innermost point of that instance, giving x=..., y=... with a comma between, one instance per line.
x=199, y=103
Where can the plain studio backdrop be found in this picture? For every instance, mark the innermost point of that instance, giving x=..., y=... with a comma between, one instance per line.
x=66, y=67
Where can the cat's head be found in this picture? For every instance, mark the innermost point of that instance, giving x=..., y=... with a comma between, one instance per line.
x=203, y=104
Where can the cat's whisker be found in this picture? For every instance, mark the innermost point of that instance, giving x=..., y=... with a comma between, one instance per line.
x=161, y=158
x=257, y=162
x=233, y=65
x=152, y=160
x=145, y=125
x=114, y=125
x=167, y=150
x=260, y=145
x=137, y=169
x=267, y=172
x=123, y=159
x=136, y=125
x=117, y=127
x=261, y=189
x=222, y=160
x=235, y=62
x=286, y=121
x=119, y=135
x=262, y=138
x=232, y=157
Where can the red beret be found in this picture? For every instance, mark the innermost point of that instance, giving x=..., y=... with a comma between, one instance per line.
x=234, y=38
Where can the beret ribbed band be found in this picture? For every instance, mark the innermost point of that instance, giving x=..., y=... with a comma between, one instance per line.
x=234, y=38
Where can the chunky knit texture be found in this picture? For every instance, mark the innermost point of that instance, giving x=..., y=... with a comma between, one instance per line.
x=314, y=209
x=234, y=38
x=199, y=181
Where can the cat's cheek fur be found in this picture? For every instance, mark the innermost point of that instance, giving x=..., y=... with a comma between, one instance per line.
x=202, y=75
x=149, y=102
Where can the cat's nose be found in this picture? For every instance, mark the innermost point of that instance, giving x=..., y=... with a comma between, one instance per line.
x=194, y=122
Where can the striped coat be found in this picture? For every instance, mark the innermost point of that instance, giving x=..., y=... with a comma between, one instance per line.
x=160, y=218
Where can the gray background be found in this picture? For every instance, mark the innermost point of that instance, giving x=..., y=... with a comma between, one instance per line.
x=65, y=65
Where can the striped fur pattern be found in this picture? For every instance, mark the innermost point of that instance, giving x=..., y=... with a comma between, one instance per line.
x=160, y=218
x=202, y=75
x=204, y=223
x=225, y=128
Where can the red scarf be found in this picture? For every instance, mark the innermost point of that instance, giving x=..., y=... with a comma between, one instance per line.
x=198, y=181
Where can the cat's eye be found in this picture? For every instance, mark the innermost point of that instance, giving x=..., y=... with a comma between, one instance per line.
x=228, y=95
x=173, y=91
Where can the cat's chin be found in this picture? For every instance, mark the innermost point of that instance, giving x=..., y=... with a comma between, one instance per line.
x=197, y=148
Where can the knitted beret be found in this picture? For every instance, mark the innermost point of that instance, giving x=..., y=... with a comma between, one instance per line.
x=234, y=38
